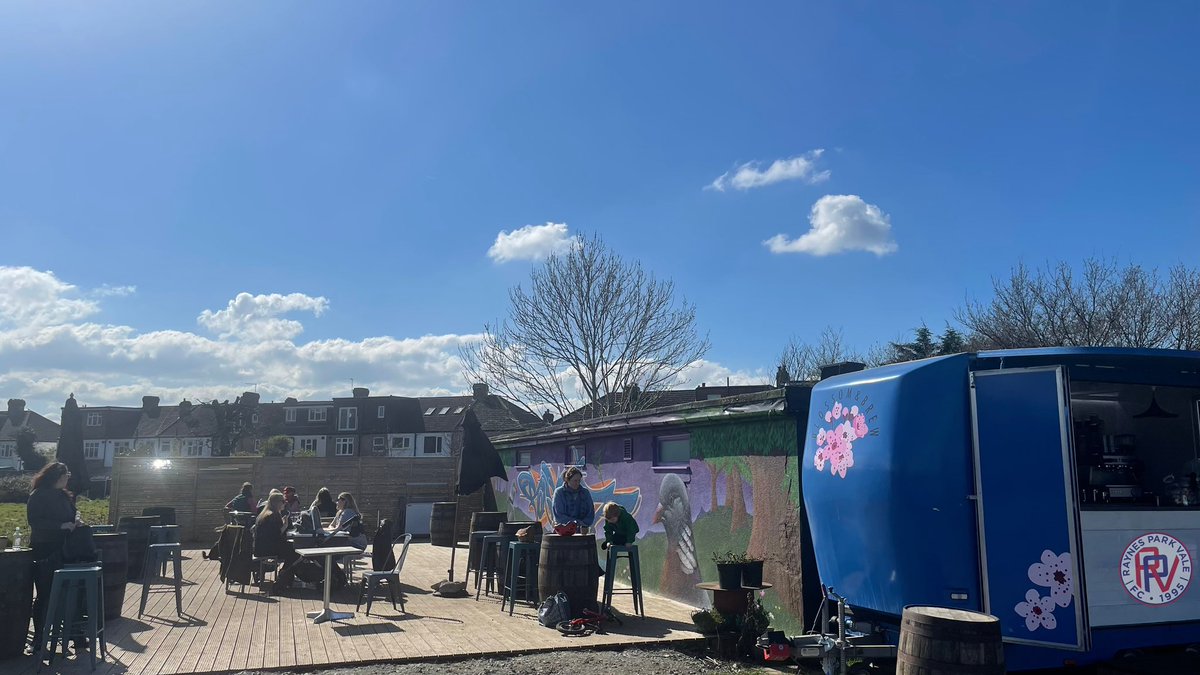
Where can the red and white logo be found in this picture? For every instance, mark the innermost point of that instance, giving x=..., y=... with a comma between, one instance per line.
x=1156, y=568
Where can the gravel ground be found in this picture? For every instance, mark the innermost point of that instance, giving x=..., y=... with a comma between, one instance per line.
x=642, y=661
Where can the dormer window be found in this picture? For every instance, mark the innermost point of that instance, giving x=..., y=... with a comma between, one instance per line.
x=94, y=419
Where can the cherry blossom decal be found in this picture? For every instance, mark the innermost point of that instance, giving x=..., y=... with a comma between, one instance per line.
x=836, y=444
x=1038, y=611
x=1053, y=572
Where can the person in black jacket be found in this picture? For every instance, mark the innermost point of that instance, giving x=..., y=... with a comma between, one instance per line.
x=270, y=540
x=51, y=514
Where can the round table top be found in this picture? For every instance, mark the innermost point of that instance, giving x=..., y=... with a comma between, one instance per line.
x=713, y=586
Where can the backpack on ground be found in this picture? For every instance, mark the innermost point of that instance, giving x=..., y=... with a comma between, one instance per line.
x=554, y=609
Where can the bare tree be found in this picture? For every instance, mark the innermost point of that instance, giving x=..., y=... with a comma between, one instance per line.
x=803, y=360
x=590, y=325
x=1101, y=304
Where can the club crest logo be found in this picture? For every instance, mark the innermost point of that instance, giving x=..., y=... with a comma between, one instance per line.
x=1156, y=568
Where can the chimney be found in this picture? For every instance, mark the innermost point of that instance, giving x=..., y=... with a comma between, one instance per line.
x=361, y=392
x=249, y=398
x=841, y=367
x=782, y=376
x=290, y=399
x=16, y=410
x=548, y=417
x=185, y=408
x=479, y=390
x=150, y=405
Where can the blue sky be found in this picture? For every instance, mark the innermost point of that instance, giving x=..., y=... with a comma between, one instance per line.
x=348, y=167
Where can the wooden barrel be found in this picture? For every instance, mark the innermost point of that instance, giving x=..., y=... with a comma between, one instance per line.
x=16, y=600
x=114, y=557
x=568, y=565
x=441, y=524
x=138, y=529
x=166, y=514
x=944, y=641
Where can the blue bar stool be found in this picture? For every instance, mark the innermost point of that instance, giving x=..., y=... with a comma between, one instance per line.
x=164, y=534
x=70, y=616
x=630, y=553
x=491, y=564
x=475, y=554
x=157, y=555
x=520, y=571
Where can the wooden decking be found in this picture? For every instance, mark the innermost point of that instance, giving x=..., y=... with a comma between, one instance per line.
x=249, y=631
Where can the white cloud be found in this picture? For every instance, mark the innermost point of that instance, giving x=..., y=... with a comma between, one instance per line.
x=840, y=223
x=33, y=298
x=702, y=371
x=750, y=175
x=61, y=352
x=530, y=242
x=256, y=317
x=106, y=291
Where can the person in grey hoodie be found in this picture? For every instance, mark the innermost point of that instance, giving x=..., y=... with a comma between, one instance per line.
x=51, y=514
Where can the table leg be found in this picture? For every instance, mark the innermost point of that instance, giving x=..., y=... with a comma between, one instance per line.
x=326, y=614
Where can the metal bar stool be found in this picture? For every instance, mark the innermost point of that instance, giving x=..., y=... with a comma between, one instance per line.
x=475, y=554
x=630, y=553
x=491, y=566
x=157, y=555
x=69, y=616
x=520, y=569
x=164, y=534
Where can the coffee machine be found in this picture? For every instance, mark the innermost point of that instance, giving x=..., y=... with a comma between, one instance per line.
x=1109, y=468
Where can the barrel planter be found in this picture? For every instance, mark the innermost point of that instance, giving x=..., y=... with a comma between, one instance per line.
x=941, y=641
x=569, y=565
x=114, y=558
x=16, y=600
x=441, y=524
x=138, y=529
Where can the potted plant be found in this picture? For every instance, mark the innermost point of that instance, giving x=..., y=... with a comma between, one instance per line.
x=752, y=569
x=729, y=570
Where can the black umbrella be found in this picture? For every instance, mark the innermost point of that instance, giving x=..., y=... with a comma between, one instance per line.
x=70, y=447
x=477, y=464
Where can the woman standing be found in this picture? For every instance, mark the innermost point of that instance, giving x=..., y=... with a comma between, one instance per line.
x=573, y=502
x=51, y=514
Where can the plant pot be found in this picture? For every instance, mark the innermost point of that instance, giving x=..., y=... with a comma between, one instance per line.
x=752, y=573
x=729, y=576
x=704, y=622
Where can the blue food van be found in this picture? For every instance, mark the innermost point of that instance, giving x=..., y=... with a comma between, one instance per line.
x=1053, y=488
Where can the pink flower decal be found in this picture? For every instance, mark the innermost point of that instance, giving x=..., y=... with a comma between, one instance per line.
x=1038, y=611
x=835, y=445
x=1054, y=572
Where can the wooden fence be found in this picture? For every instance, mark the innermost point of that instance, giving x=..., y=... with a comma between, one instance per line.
x=198, y=488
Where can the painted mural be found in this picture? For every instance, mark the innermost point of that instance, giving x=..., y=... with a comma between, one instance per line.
x=739, y=492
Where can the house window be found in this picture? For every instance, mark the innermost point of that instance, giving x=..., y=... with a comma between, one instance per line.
x=673, y=451
x=459, y=409
x=254, y=418
x=121, y=448
x=432, y=445
x=401, y=442
x=379, y=412
x=429, y=411
x=193, y=447
x=308, y=444
x=94, y=419
x=7, y=448
x=258, y=445
x=344, y=445
x=164, y=447
x=524, y=457
x=445, y=410
x=627, y=450
x=317, y=414
x=91, y=450
x=347, y=419
x=289, y=415
x=377, y=443
x=575, y=456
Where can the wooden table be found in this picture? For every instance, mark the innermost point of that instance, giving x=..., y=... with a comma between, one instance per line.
x=327, y=614
x=730, y=601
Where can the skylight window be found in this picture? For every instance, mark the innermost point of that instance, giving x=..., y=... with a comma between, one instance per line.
x=459, y=409
x=429, y=411
x=445, y=410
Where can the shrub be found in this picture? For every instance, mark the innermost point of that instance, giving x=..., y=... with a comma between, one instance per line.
x=15, y=487
x=277, y=446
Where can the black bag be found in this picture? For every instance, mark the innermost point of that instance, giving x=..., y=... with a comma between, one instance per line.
x=79, y=546
x=309, y=571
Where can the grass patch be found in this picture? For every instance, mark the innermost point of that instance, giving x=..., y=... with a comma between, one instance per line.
x=93, y=512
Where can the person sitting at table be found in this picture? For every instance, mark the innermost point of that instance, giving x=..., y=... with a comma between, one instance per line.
x=291, y=503
x=244, y=501
x=324, y=504
x=349, y=520
x=573, y=502
x=270, y=539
